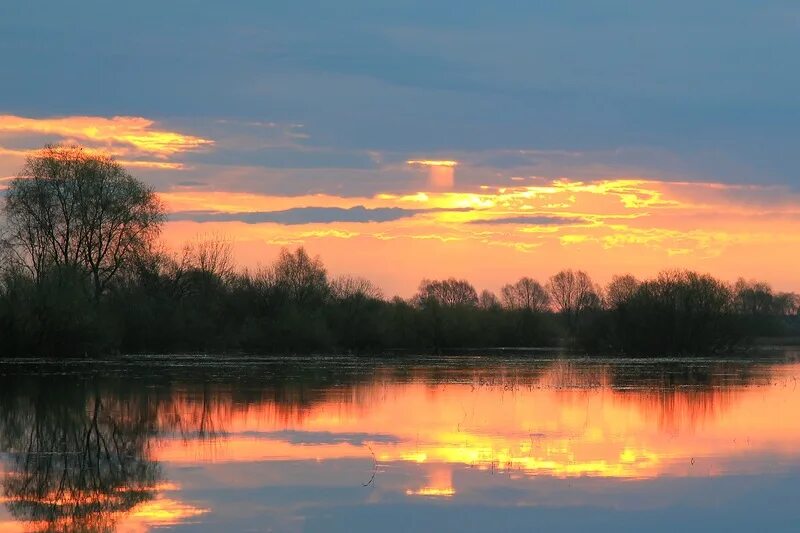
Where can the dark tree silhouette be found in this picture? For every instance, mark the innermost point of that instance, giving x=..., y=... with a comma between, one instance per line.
x=447, y=293
x=620, y=290
x=526, y=294
x=302, y=278
x=69, y=208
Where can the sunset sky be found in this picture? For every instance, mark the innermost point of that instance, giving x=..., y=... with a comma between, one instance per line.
x=410, y=139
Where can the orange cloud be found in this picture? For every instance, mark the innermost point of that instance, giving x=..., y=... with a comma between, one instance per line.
x=120, y=134
x=130, y=163
x=604, y=227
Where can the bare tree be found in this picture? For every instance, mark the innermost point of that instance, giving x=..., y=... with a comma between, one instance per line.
x=620, y=290
x=210, y=254
x=344, y=287
x=572, y=291
x=302, y=277
x=447, y=293
x=757, y=298
x=786, y=303
x=488, y=300
x=70, y=208
x=8, y=259
x=526, y=294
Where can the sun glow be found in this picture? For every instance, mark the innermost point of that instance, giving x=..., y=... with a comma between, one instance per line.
x=432, y=163
x=636, y=225
x=441, y=173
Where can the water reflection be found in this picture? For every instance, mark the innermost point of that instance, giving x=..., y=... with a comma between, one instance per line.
x=78, y=453
x=139, y=443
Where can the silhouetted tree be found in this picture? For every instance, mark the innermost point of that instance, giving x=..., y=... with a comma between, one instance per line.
x=345, y=287
x=571, y=291
x=678, y=312
x=575, y=296
x=302, y=278
x=68, y=208
x=447, y=293
x=488, y=300
x=526, y=294
x=620, y=290
x=356, y=313
x=81, y=273
x=211, y=255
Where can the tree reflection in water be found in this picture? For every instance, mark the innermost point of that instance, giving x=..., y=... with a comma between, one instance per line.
x=78, y=458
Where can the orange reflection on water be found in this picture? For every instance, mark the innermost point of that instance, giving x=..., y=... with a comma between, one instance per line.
x=442, y=431
x=158, y=513
x=161, y=512
x=97, y=511
x=440, y=485
x=560, y=424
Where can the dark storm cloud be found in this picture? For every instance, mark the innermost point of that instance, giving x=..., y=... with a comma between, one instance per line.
x=307, y=215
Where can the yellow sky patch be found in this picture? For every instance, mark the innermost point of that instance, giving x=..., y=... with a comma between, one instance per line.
x=497, y=234
x=120, y=135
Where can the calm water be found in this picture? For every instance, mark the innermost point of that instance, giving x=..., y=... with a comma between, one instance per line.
x=445, y=444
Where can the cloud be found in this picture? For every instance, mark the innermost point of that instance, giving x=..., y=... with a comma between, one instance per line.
x=306, y=215
x=432, y=162
x=192, y=183
x=129, y=163
x=441, y=173
x=119, y=134
x=534, y=220
x=458, y=80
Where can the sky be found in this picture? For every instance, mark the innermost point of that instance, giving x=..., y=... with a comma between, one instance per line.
x=410, y=139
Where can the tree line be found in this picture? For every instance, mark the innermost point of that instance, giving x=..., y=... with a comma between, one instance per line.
x=82, y=273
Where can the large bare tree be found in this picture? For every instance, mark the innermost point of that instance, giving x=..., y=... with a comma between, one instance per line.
x=526, y=294
x=620, y=290
x=303, y=278
x=355, y=287
x=210, y=254
x=447, y=293
x=71, y=208
x=572, y=291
